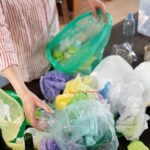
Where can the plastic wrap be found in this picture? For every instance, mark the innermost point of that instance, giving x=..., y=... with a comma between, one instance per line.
x=111, y=69
x=127, y=102
x=137, y=145
x=75, y=90
x=141, y=73
x=82, y=125
x=125, y=51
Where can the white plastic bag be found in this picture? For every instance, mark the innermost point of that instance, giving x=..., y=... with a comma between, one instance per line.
x=111, y=69
x=126, y=100
x=141, y=73
x=144, y=18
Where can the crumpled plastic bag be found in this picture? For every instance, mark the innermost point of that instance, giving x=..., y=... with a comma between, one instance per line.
x=125, y=51
x=137, y=145
x=141, y=73
x=73, y=88
x=63, y=100
x=78, y=84
x=52, y=84
x=82, y=125
x=110, y=69
x=126, y=101
x=48, y=144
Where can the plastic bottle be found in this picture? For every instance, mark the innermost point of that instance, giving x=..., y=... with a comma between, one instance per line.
x=28, y=139
x=129, y=28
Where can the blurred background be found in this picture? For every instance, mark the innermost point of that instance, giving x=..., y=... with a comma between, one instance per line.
x=68, y=9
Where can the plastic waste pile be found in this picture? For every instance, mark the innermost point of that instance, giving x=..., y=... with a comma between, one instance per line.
x=127, y=103
x=127, y=94
x=80, y=88
x=81, y=125
x=117, y=87
x=89, y=110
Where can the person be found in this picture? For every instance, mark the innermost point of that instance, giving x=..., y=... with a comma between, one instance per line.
x=25, y=26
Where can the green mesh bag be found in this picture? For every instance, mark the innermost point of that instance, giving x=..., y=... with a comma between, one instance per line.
x=80, y=45
x=11, y=116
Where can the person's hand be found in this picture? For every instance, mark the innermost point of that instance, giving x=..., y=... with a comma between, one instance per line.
x=30, y=103
x=97, y=4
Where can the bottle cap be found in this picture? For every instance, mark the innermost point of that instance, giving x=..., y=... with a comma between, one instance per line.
x=130, y=15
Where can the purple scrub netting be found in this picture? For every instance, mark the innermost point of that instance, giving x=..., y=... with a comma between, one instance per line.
x=52, y=84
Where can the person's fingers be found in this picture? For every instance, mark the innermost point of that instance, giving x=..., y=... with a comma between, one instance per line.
x=34, y=122
x=101, y=6
x=94, y=12
x=43, y=105
x=30, y=115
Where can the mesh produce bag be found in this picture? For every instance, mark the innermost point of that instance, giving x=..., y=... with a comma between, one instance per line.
x=11, y=116
x=80, y=45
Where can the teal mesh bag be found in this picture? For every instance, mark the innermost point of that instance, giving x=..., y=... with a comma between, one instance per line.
x=80, y=45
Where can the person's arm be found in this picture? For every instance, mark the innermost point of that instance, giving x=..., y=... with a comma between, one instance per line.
x=30, y=100
x=8, y=67
x=97, y=4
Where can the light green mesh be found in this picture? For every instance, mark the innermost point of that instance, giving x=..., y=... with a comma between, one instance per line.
x=10, y=125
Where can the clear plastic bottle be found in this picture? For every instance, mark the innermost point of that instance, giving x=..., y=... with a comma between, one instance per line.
x=129, y=25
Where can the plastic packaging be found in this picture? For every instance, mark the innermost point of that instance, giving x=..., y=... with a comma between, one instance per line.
x=82, y=125
x=78, y=84
x=111, y=69
x=141, y=73
x=129, y=25
x=48, y=144
x=76, y=90
x=11, y=124
x=126, y=102
x=137, y=145
x=80, y=45
x=144, y=18
x=125, y=51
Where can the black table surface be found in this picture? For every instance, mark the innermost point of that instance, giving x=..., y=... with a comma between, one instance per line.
x=116, y=38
